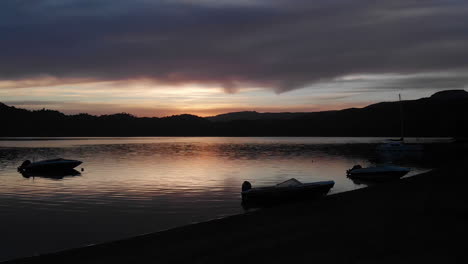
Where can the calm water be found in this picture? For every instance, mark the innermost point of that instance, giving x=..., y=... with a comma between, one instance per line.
x=132, y=186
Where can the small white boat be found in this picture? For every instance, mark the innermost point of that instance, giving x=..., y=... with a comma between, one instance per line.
x=291, y=189
x=377, y=173
x=51, y=165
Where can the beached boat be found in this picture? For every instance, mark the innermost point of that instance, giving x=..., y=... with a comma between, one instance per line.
x=48, y=165
x=291, y=189
x=377, y=173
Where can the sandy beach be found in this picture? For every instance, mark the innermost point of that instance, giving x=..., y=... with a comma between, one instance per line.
x=422, y=219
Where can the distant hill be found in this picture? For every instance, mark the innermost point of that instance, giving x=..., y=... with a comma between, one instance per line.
x=443, y=114
x=450, y=95
x=21, y=122
x=253, y=115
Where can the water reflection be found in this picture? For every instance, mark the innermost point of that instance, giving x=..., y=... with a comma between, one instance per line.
x=140, y=185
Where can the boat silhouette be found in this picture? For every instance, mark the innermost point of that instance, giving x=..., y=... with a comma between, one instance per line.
x=51, y=165
x=57, y=175
x=287, y=191
x=377, y=173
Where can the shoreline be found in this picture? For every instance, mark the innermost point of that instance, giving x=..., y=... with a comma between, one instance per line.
x=354, y=222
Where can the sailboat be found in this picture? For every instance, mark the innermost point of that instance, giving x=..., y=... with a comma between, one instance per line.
x=399, y=144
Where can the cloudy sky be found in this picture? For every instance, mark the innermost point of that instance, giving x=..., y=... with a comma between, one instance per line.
x=205, y=57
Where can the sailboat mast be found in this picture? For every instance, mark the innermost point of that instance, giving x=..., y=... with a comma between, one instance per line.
x=401, y=119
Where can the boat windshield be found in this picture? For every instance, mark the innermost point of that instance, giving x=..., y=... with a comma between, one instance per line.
x=289, y=183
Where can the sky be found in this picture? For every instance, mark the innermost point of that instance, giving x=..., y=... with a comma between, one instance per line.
x=207, y=57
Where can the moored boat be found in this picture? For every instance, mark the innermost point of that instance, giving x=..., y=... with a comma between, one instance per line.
x=398, y=145
x=48, y=165
x=56, y=175
x=377, y=173
x=289, y=190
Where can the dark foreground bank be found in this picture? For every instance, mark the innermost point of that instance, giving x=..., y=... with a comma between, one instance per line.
x=422, y=219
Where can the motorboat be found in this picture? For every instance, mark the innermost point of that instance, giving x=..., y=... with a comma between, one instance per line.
x=55, y=175
x=52, y=165
x=289, y=190
x=377, y=173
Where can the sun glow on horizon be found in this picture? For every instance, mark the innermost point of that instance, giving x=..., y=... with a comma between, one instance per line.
x=149, y=98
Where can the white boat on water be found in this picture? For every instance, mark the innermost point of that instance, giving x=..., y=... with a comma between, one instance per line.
x=51, y=165
x=377, y=173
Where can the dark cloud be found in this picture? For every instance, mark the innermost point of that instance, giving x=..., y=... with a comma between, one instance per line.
x=419, y=81
x=279, y=44
x=32, y=103
x=435, y=81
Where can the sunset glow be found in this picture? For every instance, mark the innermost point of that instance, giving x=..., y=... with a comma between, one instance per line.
x=159, y=58
x=148, y=98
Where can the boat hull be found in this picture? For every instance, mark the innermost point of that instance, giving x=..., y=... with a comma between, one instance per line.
x=51, y=166
x=377, y=176
x=399, y=147
x=57, y=175
x=274, y=195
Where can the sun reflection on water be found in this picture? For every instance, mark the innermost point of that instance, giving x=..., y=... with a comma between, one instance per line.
x=131, y=186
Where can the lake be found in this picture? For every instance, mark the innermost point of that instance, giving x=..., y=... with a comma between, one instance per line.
x=132, y=186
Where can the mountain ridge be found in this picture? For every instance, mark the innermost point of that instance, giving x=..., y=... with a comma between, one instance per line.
x=442, y=114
